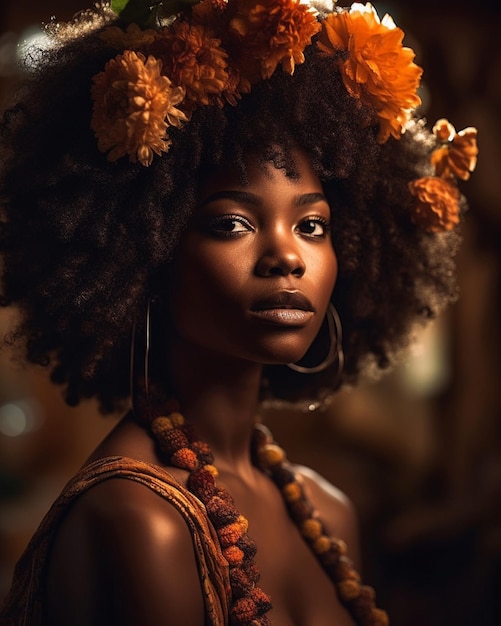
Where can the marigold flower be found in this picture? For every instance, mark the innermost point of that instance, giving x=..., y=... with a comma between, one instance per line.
x=437, y=208
x=378, y=70
x=133, y=105
x=458, y=158
x=133, y=38
x=270, y=33
x=443, y=130
x=193, y=58
x=210, y=12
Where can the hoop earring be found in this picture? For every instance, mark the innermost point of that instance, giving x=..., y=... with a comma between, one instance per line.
x=134, y=380
x=335, y=347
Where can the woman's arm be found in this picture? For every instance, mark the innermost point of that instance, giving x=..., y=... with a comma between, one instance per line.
x=124, y=555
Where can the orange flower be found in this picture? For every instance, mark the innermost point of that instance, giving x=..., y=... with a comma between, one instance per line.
x=133, y=105
x=194, y=59
x=458, y=158
x=134, y=38
x=271, y=33
x=438, y=203
x=210, y=12
x=378, y=69
x=443, y=130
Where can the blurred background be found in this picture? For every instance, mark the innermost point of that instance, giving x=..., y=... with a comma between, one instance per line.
x=419, y=452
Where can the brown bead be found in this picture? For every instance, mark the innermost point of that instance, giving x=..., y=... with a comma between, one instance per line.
x=283, y=475
x=292, y=492
x=348, y=590
x=344, y=570
x=169, y=440
x=243, y=611
x=270, y=455
x=248, y=546
x=203, y=452
x=241, y=584
x=311, y=529
x=184, y=458
x=220, y=511
x=301, y=510
x=201, y=483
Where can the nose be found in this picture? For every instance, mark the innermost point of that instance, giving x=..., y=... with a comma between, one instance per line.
x=280, y=256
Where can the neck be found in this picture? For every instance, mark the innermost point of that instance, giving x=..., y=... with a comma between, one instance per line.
x=220, y=397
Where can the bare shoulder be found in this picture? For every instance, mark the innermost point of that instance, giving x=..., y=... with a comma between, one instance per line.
x=124, y=555
x=335, y=509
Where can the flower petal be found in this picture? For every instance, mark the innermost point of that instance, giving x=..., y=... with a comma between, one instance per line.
x=132, y=101
x=437, y=207
x=378, y=70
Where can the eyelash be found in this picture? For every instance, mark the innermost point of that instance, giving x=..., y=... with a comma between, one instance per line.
x=316, y=219
x=216, y=226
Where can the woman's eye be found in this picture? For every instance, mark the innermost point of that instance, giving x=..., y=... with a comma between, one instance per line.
x=314, y=227
x=229, y=225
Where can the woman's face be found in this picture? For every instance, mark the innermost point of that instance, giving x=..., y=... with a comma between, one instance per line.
x=254, y=272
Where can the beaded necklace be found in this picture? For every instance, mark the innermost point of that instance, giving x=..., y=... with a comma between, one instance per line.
x=249, y=604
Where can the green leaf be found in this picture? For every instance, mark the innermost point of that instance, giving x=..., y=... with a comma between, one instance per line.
x=118, y=5
x=147, y=13
x=137, y=11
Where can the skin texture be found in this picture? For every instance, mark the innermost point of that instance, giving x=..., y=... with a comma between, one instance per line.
x=246, y=244
x=123, y=555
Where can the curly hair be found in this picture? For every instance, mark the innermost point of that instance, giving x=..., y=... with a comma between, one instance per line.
x=86, y=243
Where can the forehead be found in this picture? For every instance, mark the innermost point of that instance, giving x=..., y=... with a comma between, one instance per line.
x=260, y=173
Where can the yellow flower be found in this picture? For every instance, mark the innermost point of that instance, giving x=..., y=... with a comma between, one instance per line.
x=193, y=59
x=377, y=69
x=133, y=38
x=133, y=105
x=270, y=33
x=437, y=208
x=458, y=158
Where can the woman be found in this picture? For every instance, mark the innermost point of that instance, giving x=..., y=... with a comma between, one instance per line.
x=257, y=169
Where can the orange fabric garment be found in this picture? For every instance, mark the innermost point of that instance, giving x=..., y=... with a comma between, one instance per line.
x=24, y=605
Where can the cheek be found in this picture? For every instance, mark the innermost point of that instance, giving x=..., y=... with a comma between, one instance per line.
x=323, y=272
x=206, y=290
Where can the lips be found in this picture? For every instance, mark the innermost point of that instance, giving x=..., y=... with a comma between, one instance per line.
x=284, y=300
x=284, y=308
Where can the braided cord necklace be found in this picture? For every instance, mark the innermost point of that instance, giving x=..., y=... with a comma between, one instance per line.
x=249, y=604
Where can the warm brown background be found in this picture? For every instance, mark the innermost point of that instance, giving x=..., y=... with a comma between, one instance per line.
x=420, y=451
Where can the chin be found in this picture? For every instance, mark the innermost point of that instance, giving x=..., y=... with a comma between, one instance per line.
x=284, y=354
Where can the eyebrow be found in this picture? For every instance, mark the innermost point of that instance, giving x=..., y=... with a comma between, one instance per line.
x=245, y=197
x=310, y=198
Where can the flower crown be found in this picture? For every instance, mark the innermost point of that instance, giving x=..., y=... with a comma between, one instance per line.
x=178, y=55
